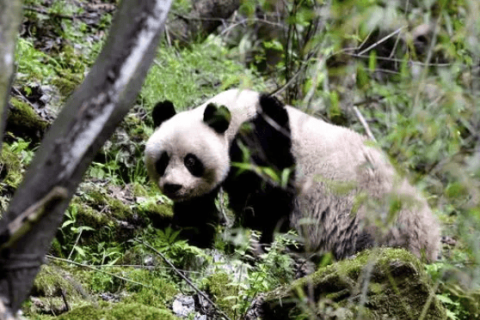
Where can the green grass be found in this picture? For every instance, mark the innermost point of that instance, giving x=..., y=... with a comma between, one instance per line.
x=189, y=77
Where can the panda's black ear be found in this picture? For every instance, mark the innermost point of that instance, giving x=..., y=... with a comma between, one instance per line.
x=162, y=111
x=217, y=118
x=274, y=108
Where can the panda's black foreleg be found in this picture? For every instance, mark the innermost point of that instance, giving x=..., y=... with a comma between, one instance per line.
x=261, y=200
x=198, y=219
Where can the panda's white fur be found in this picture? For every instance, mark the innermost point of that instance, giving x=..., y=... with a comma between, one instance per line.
x=327, y=153
x=345, y=188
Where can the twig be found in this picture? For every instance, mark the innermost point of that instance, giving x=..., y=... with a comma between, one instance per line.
x=242, y=21
x=364, y=41
x=167, y=36
x=382, y=40
x=158, y=64
x=181, y=16
x=226, y=31
x=64, y=297
x=140, y=266
x=221, y=202
x=75, y=244
x=394, y=46
x=102, y=271
x=23, y=98
x=364, y=123
x=427, y=304
x=185, y=278
x=392, y=59
x=427, y=61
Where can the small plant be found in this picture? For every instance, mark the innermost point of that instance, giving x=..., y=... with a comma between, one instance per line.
x=274, y=268
x=178, y=251
x=23, y=148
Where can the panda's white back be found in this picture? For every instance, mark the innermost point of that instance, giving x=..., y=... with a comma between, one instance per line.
x=334, y=169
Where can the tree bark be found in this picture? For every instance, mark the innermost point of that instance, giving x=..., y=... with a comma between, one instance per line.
x=88, y=119
x=206, y=17
x=10, y=18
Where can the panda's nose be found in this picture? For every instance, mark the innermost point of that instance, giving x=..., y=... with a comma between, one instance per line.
x=170, y=188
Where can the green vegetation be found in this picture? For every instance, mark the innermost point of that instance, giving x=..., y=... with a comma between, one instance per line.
x=409, y=67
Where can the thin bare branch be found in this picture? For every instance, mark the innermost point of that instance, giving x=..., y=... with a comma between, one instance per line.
x=392, y=59
x=217, y=309
x=382, y=40
x=101, y=271
x=427, y=62
x=364, y=124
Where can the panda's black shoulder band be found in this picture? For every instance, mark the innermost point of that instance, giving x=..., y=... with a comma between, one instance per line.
x=274, y=108
x=162, y=111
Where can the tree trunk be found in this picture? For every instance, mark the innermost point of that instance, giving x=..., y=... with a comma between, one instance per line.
x=85, y=123
x=10, y=18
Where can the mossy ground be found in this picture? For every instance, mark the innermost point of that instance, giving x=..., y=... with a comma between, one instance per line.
x=120, y=311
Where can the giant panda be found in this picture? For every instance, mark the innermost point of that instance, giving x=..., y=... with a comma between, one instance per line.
x=339, y=193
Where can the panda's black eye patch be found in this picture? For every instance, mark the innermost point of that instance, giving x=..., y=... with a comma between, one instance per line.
x=194, y=165
x=162, y=163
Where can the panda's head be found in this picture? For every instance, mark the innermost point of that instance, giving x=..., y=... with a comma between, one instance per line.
x=187, y=155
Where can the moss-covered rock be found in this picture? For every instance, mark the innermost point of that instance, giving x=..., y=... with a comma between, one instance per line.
x=51, y=280
x=65, y=85
x=24, y=122
x=11, y=169
x=381, y=284
x=119, y=311
x=52, y=287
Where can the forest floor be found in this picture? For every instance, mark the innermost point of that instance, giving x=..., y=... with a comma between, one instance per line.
x=109, y=258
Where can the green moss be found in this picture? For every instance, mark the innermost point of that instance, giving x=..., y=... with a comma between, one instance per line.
x=139, y=190
x=87, y=216
x=398, y=287
x=11, y=170
x=65, y=85
x=160, y=293
x=99, y=199
x=23, y=121
x=217, y=285
x=160, y=209
x=119, y=311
